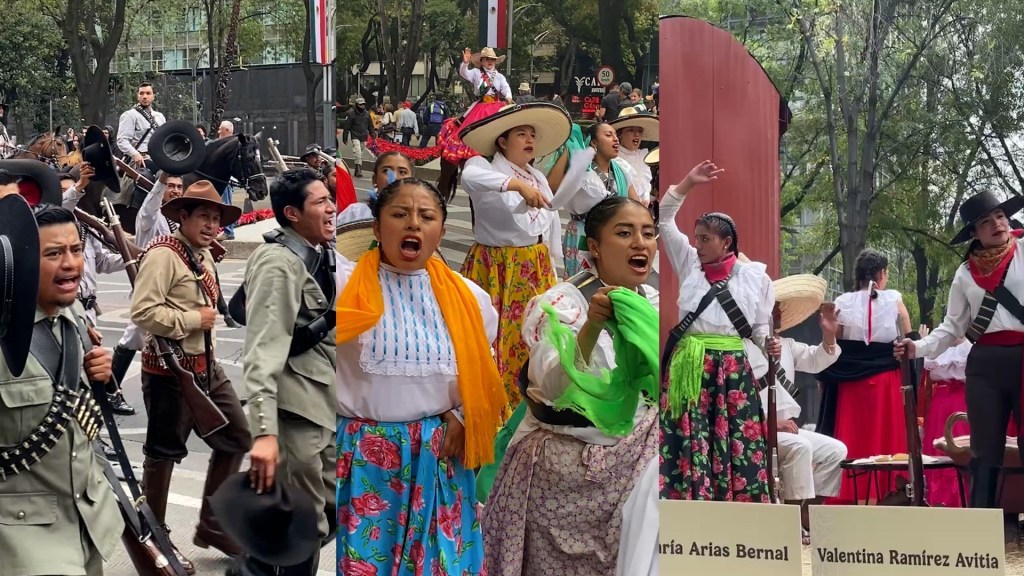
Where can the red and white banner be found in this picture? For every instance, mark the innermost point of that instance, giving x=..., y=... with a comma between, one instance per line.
x=319, y=37
x=494, y=23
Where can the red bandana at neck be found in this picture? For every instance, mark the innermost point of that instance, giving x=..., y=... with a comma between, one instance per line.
x=988, y=265
x=716, y=271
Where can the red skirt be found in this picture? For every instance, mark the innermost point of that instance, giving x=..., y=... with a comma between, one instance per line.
x=947, y=398
x=454, y=151
x=869, y=420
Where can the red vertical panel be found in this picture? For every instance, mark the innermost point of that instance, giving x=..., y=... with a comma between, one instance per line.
x=718, y=104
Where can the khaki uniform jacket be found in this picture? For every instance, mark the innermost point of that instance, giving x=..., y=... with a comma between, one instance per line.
x=276, y=284
x=167, y=297
x=64, y=500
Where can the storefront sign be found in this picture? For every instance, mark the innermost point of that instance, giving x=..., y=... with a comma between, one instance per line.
x=906, y=541
x=735, y=538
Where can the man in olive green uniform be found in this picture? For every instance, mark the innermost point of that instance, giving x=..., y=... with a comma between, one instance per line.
x=60, y=515
x=290, y=357
x=174, y=300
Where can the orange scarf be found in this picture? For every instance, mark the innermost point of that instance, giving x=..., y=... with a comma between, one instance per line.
x=483, y=395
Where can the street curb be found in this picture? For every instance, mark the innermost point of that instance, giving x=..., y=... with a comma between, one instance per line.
x=239, y=250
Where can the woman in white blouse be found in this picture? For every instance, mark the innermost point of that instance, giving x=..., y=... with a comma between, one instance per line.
x=713, y=446
x=862, y=405
x=632, y=129
x=419, y=397
x=941, y=395
x=610, y=525
x=603, y=178
x=515, y=236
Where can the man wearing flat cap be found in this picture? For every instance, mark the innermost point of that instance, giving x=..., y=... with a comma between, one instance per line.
x=174, y=298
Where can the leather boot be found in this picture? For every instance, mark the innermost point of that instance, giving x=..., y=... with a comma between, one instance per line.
x=156, y=484
x=208, y=532
x=984, y=484
x=121, y=362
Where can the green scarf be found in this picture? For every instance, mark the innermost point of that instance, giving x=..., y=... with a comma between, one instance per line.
x=686, y=370
x=611, y=399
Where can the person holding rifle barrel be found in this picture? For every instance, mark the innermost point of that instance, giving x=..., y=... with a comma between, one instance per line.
x=984, y=306
x=59, y=514
x=174, y=298
x=809, y=462
x=291, y=355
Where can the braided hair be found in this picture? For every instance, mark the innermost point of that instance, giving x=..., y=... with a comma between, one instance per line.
x=723, y=225
x=868, y=266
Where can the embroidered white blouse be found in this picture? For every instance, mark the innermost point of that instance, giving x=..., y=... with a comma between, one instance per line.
x=641, y=176
x=951, y=364
x=548, y=380
x=403, y=369
x=797, y=357
x=965, y=297
x=474, y=76
x=592, y=191
x=853, y=314
x=749, y=285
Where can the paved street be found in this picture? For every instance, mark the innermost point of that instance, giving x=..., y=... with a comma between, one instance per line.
x=189, y=476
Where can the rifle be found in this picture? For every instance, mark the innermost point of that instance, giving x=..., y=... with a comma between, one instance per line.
x=217, y=250
x=275, y=155
x=774, y=475
x=915, y=462
x=208, y=417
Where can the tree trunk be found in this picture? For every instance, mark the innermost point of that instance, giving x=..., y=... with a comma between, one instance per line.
x=610, y=17
x=230, y=55
x=312, y=77
x=91, y=63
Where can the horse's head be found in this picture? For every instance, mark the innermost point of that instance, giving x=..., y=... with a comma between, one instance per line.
x=236, y=156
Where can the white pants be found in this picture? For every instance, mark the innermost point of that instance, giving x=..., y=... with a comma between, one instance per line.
x=810, y=465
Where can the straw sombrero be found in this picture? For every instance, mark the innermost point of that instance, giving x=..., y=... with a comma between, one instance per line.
x=630, y=118
x=354, y=239
x=551, y=123
x=653, y=157
x=798, y=296
x=487, y=52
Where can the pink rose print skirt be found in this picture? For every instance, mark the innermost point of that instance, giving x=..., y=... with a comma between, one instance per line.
x=401, y=510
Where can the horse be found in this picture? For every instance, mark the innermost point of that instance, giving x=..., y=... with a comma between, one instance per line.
x=236, y=156
x=51, y=149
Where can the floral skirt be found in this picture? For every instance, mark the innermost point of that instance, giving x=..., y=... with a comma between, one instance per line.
x=512, y=276
x=454, y=149
x=716, y=449
x=401, y=510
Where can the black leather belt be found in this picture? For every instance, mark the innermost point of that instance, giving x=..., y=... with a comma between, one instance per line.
x=547, y=414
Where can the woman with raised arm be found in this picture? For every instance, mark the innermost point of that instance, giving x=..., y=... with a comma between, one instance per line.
x=712, y=443
x=589, y=435
x=419, y=397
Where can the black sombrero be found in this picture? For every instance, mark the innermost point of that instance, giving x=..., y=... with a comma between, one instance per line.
x=19, y=250
x=977, y=207
x=39, y=183
x=97, y=152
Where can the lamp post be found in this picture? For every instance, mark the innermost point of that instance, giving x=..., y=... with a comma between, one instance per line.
x=513, y=14
x=195, y=95
x=533, y=48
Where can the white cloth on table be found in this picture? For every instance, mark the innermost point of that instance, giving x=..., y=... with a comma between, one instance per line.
x=404, y=368
x=749, y=285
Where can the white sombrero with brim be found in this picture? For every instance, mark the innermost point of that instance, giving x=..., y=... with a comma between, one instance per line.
x=798, y=296
x=630, y=118
x=551, y=123
x=487, y=52
x=354, y=239
x=653, y=157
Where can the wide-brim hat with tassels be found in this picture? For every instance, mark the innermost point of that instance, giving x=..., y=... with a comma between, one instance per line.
x=551, y=123
x=798, y=296
x=630, y=118
x=487, y=52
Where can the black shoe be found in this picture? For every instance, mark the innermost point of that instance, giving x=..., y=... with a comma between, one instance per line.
x=230, y=322
x=118, y=405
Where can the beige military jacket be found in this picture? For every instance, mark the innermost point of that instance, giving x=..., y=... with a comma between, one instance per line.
x=48, y=513
x=166, y=299
x=276, y=284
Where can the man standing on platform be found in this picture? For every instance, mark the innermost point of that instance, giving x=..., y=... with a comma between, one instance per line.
x=134, y=129
x=985, y=306
x=290, y=352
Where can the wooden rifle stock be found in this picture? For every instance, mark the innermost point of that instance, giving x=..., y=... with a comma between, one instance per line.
x=207, y=416
x=104, y=232
x=915, y=461
x=217, y=249
x=771, y=413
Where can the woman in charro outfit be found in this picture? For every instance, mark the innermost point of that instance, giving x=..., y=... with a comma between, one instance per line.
x=492, y=92
x=712, y=442
x=419, y=397
x=586, y=439
x=862, y=405
x=515, y=237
